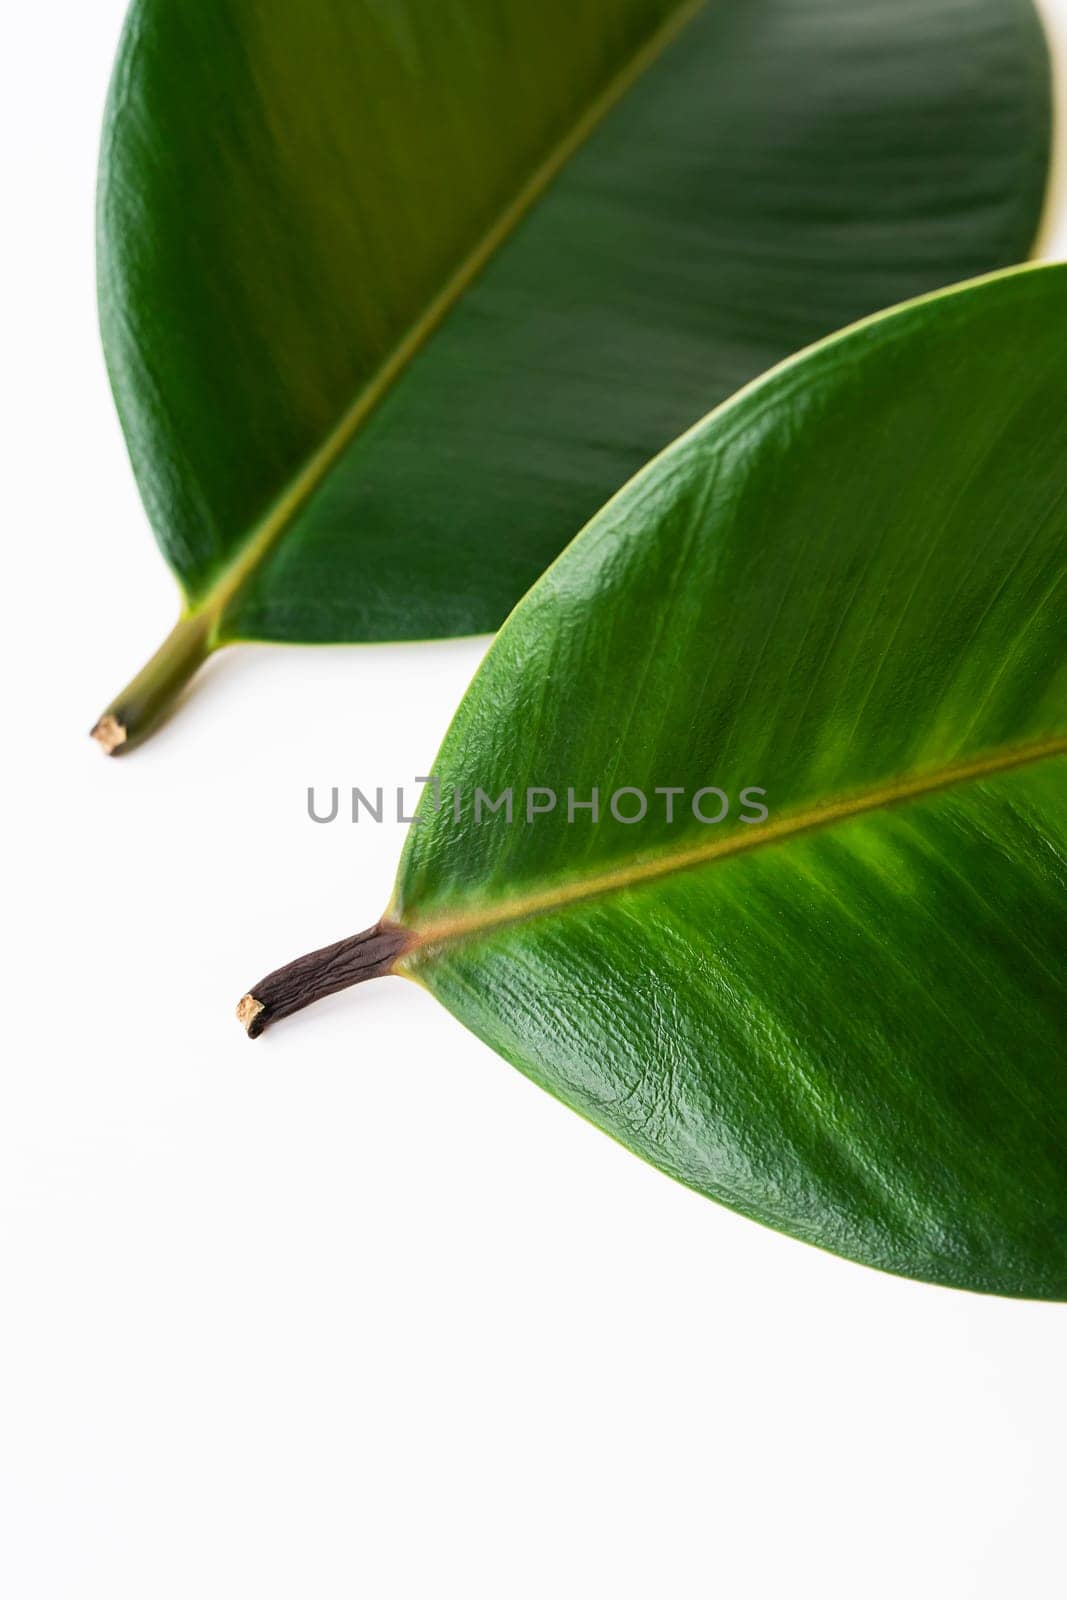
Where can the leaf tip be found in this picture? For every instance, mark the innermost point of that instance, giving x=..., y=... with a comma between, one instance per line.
x=110, y=734
x=248, y=1009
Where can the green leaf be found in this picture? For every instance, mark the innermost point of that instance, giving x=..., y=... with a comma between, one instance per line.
x=844, y=588
x=393, y=295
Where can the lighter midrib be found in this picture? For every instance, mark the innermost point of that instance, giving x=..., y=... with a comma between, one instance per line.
x=758, y=836
x=300, y=489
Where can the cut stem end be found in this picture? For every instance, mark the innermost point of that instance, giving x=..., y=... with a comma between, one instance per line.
x=248, y=1009
x=109, y=734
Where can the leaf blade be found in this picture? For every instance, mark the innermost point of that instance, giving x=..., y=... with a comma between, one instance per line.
x=243, y=306
x=776, y=981
x=914, y=1194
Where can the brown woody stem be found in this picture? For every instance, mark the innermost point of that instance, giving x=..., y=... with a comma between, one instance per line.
x=370, y=954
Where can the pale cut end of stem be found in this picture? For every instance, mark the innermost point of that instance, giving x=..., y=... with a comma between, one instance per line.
x=109, y=734
x=248, y=1009
x=370, y=954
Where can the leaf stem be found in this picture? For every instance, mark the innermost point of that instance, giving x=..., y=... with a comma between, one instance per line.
x=370, y=954
x=149, y=697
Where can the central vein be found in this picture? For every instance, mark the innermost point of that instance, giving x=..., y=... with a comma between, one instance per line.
x=633, y=874
x=300, y=489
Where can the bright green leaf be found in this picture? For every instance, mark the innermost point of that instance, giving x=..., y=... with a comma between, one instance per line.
x=845, y=588
x=393, y=295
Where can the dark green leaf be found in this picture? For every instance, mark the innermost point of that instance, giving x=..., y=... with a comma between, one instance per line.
x=845, y=588
x=393, y=295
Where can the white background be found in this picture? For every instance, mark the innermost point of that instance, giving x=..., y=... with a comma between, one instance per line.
x=358, y=1310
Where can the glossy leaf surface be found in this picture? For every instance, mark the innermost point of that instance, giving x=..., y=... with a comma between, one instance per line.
x=846, y=588
x=394, y=296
